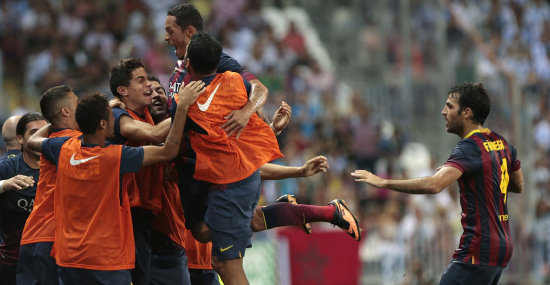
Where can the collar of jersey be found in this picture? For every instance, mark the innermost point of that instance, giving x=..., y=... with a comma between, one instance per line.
x=484, y=130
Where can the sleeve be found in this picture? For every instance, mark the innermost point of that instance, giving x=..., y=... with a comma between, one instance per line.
x=228, y=63
x=52, y=147
x=515, y=163
x=118, y=113
x=466, y=157
x=131, y=159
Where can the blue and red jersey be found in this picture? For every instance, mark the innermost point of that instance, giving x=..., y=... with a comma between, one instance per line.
x=15, y=207
x=485, y=160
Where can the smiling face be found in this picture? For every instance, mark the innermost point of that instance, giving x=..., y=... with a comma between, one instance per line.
x=177, y=36
x=159, y=106
x=137, y=95
x=454, y=120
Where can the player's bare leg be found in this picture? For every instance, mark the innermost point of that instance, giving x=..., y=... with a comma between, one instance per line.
x=231, y=271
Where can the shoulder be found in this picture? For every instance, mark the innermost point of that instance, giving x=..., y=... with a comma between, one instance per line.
x=118, y=112
x=9, y=165
x=9, y=161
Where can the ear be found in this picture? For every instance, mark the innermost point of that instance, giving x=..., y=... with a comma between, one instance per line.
x=20, y=139
x=103, y=124
x=191, y=30
x=65, y=112
x=122, y=90
x=468, y=114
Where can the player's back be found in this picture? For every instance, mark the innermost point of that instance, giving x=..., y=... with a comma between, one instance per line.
x=222, y=159
x=486, y=159
x=93, y=222
x=40, y=224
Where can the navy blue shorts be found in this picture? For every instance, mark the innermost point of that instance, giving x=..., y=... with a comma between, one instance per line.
x=141, y=223
x=194, y=198
x=230, y=210
x=36, y=266
x=468, y=274
x=94, y=277
x=204, y=276
x=7, y=274
x=170, y=268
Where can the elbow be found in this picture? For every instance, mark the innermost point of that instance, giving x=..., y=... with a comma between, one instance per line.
x=516, y=188
x=434, y=189
x=157, y=138
x=172, y=153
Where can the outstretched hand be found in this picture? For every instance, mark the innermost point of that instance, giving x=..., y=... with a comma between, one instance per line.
x=368, y=177
x=281, y=118
x=315, y=165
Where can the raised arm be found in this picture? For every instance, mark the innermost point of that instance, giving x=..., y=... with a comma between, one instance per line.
x=187, y=96
x=270, y=171
x=36, y=139
x=424, y=185
x=516, y=182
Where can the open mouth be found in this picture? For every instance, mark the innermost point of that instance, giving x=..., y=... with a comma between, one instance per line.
x=157, y=102
x=148, y=93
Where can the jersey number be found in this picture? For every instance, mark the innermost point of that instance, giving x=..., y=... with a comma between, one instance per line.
x=504, y=178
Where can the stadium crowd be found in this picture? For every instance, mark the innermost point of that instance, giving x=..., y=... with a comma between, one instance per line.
x=46, y=43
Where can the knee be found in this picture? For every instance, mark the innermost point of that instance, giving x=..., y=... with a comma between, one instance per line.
x=217, y=265
x=258, y=221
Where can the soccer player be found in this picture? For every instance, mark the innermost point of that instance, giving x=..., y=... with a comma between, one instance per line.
x=134, y=126
x=93, y=235
x=169, y=263
x=18, y=177
x=36, y=266
x=182, y=22
x=13, y=146
x=487, y=169
x=230, y=164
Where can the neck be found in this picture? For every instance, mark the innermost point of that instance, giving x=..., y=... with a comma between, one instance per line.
x=64, y=124
x=140, y=110
x=96, y=138
x=469, y=129
x=201, y=76
x=31, y=160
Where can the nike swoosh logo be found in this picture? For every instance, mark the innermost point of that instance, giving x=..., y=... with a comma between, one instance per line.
x=204, y=107
x=79, y=161
x=224, y=249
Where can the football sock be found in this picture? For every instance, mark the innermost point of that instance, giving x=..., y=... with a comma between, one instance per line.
x=286, y=214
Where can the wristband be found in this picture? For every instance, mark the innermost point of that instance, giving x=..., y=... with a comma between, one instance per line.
x=1, y=186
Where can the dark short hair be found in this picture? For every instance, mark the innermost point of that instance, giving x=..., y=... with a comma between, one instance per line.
x=152, y=77
x=475, y=97
x=90, y=111
x=204, y=53
x=187, y=15
x=51, y=99
x=21, y=127
x=121, y=73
